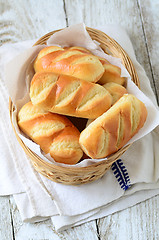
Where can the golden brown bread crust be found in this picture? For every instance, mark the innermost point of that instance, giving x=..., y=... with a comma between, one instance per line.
x=115, y=90
x=80, y=49
x=54, y=133
x=68, y=95
x=112, y=73
x=115, y=128
x=75, y=61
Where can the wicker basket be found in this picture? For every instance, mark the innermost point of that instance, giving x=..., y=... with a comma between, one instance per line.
x=71, y=175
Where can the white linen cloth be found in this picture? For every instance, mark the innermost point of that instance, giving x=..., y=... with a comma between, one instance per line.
x=39, y=198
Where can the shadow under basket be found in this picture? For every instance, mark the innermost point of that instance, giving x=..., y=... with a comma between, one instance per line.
x=80, y=175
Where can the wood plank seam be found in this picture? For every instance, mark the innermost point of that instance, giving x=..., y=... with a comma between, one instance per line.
x=11, y=218
x=98, y=234
x=66, y=18
x=147, y=49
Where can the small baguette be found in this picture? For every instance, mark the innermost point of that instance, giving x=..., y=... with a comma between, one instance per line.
x=112, y=73
x=80, y=49
x=75, y=61
x=111, y=131
x=54, y=133
x=68, y=95
x=116, y=90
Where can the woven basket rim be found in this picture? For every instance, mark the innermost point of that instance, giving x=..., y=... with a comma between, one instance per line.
x=51, y=166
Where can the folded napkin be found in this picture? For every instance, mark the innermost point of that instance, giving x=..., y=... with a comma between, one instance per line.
x=132, y=179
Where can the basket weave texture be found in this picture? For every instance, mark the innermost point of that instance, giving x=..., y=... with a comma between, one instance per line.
x=80, y=175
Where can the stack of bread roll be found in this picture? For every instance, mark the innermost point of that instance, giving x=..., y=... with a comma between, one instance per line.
x=72, y=82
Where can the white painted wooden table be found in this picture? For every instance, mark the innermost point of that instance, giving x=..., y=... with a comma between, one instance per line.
x=29, y=19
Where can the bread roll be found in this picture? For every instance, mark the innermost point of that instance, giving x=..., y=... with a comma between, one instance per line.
x=112, y=73
x=68, y=95
x=116, y=90
x=114, y=128
x=75, y=62
x=54, y=133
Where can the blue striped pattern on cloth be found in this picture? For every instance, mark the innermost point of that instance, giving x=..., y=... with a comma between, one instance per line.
x=121, y=174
